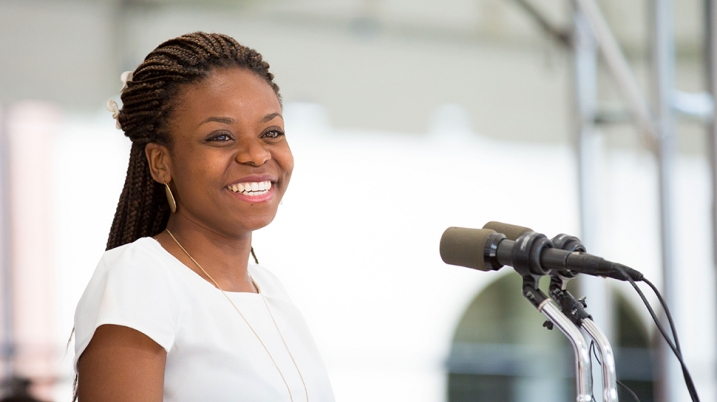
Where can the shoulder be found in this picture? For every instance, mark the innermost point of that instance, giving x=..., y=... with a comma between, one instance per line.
x=143, y=252
x=134, y=286
x=142, y=262
x=134, y=267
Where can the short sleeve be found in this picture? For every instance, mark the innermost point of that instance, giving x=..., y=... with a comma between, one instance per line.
x=131, y=287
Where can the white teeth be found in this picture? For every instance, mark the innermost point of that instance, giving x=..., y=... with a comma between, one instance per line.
x=253, y=188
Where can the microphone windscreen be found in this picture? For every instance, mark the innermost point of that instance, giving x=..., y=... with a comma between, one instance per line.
x=511, y=232
x=464, y=247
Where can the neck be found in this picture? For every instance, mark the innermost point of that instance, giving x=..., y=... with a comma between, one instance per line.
x=224, y=257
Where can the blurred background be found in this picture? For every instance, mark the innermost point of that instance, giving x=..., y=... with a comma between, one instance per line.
x=592, y=118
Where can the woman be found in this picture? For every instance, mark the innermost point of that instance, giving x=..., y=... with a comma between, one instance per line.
x=174, y=311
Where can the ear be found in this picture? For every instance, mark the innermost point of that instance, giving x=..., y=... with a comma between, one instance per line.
x=160, y=162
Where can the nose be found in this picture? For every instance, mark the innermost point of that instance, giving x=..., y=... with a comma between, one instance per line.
x=253, y=152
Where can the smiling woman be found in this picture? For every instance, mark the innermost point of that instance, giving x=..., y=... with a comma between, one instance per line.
x=174, y=311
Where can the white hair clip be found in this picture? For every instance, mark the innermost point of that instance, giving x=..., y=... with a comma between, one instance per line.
x=112, y=106
x=124, y=77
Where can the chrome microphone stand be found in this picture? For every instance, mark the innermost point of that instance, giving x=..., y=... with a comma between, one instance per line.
x=526, y=261
x=583, y=366
x=578, y=317
x=609, y=379
x=575, y=310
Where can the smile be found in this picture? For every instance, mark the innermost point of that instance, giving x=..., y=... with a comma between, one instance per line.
x=251, y=189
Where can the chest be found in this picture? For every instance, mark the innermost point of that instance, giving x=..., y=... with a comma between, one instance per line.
x=249, y=349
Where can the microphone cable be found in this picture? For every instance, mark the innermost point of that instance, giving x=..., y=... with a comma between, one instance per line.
x=674, y=346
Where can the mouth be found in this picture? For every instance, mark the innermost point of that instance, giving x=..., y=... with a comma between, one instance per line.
x=251, y=189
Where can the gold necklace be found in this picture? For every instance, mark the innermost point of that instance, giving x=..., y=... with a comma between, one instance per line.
x=291, y=398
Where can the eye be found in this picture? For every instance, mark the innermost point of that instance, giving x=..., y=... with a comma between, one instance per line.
x=219, y=137
x=272, y=133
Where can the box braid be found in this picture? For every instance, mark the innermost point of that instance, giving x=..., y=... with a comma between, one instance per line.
x=147, y=104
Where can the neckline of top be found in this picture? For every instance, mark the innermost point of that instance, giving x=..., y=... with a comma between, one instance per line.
x=196, y=275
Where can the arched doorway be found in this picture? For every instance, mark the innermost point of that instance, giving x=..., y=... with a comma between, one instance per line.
x=501, y=352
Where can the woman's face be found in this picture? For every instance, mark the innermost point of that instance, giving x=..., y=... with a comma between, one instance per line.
x=229, y=161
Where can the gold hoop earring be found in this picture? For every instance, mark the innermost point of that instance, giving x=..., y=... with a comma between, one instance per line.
x=170, y=198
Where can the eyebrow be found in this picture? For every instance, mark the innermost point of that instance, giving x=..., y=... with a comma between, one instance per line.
x=224, y=120
x=229, y=120
x=270, y=117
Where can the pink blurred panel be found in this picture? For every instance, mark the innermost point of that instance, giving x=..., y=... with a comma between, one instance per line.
x=31, y=129
x=4, y=258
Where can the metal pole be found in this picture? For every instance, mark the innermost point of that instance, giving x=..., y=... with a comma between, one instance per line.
x=621, y=72
x=663, y=61
x=588, y=150
x=711, y=72
x=585, y=71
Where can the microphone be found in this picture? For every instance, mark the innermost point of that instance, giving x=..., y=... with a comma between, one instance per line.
x=561, y=241
x=564, y=242
x=530, y=253
x=512, y=232
x=465, y=247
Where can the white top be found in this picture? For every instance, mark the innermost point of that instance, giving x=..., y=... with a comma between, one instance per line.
x=212, y=354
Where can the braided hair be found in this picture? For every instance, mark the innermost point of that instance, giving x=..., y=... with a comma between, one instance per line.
x=147, y=105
